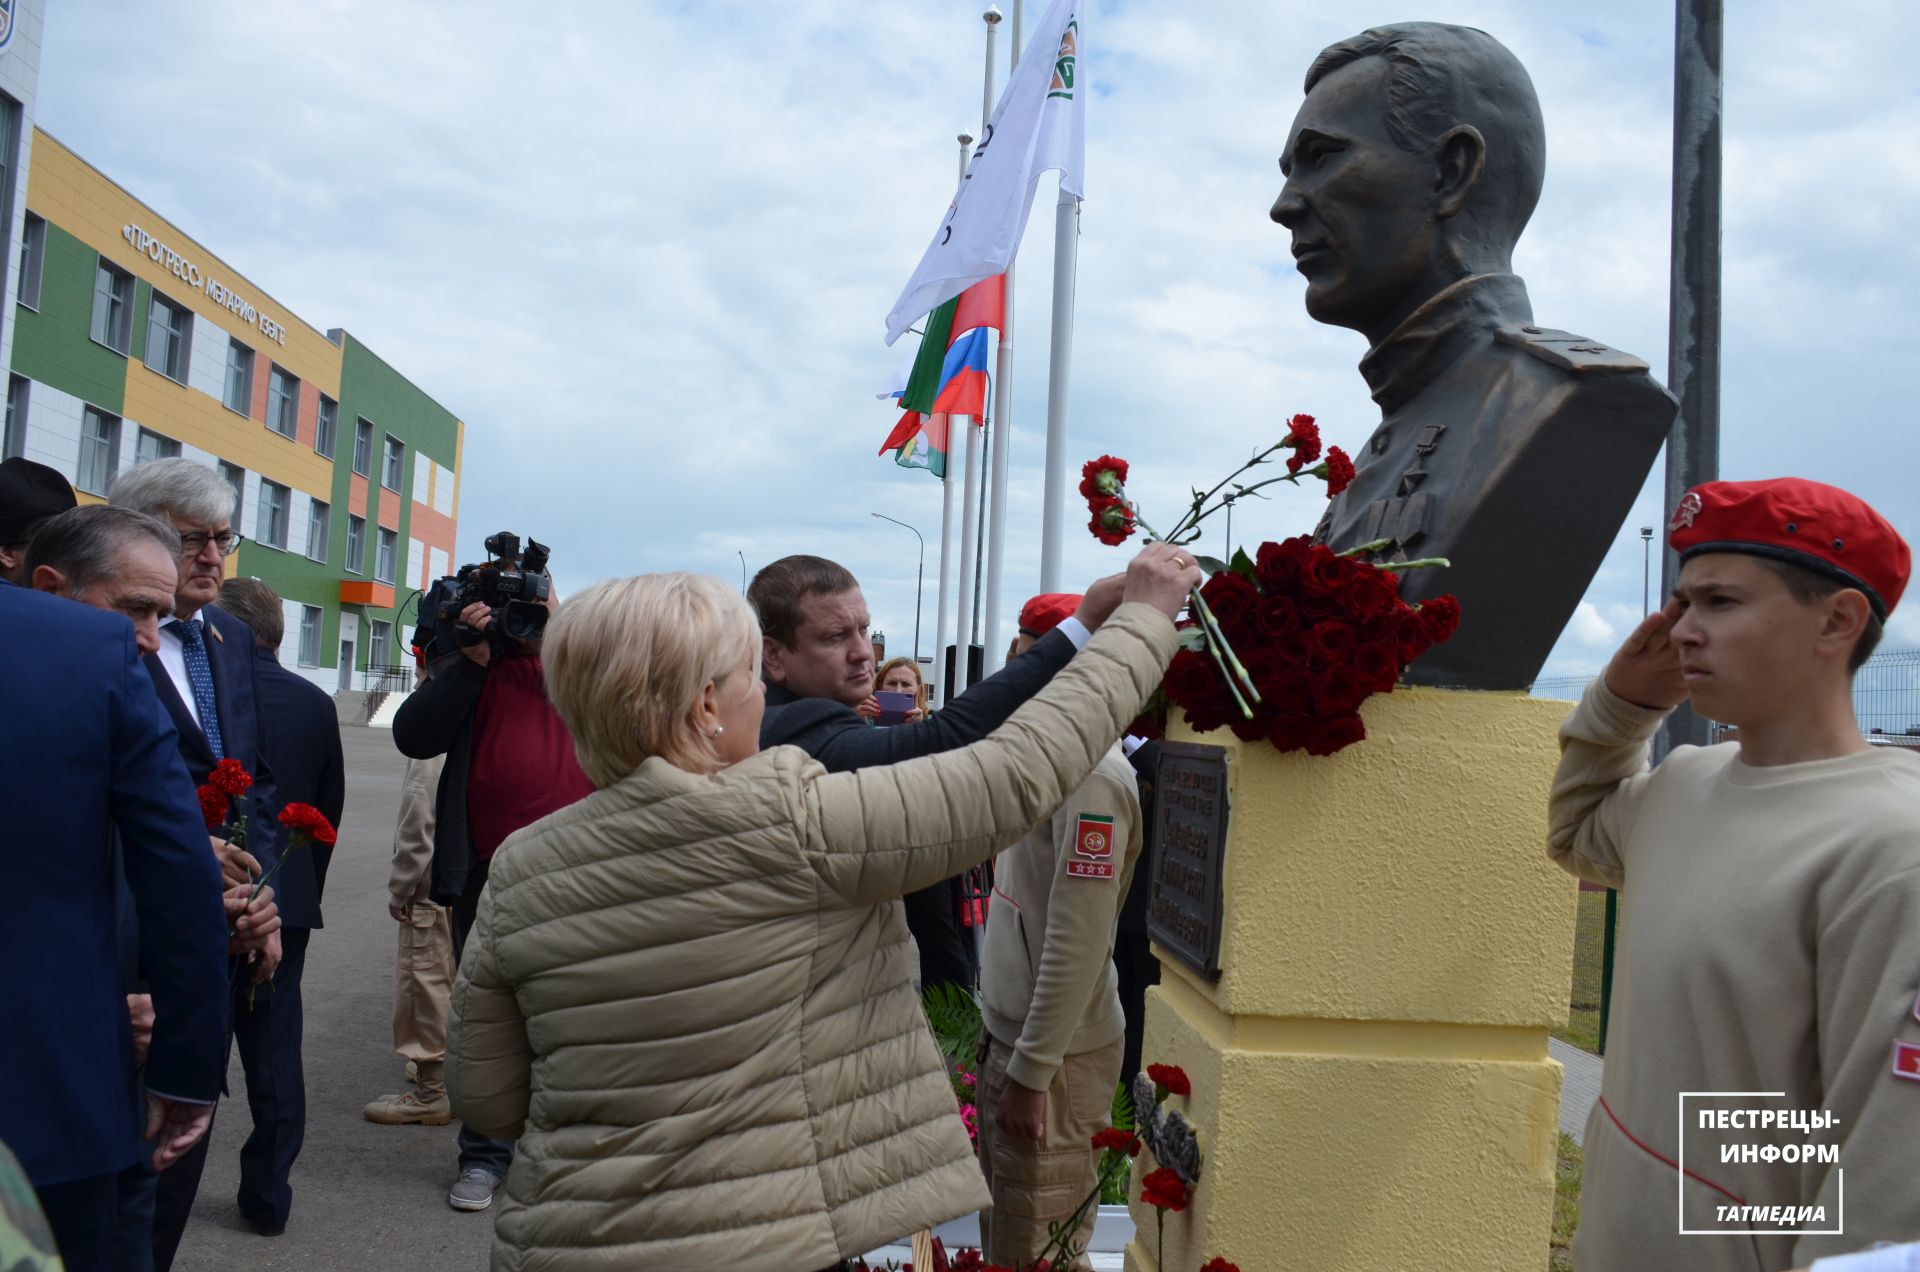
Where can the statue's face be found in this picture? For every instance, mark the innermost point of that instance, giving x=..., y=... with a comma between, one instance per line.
x=1361, y=209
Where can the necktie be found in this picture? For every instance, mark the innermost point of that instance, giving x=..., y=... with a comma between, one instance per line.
x=193, y=650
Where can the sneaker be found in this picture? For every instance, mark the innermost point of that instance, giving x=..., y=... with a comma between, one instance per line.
x=410, y=1109
x=474, y=1189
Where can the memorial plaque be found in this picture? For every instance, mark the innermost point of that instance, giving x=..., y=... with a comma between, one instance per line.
x=1189, y=854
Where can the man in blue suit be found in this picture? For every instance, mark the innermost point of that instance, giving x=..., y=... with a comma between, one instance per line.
x=206, y=674
x=93, y=752
x=302, y=741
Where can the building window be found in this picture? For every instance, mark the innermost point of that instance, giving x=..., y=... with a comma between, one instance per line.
x=326, y=422
x=112, y=306
x=275, y=499
x=169, y=327
x=283, y=401
x=310, y=620
x=237, y=478
x=389, y=546
x=319, y=522
x=378, y=651
x=239, y=377
x=396, y=461
x=33, y=257
x=150, y=446
x=99, y=439
x=363, y=447
x=356, y=544
x=15, y=441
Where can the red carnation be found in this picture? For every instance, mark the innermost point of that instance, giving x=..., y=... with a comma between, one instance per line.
x=230, y=779
x=1370, y=591
x=1323, y=573
x=1164, y=1190
x=1218, y=1264
x=1410, y=636
x=1336, y=734
x=1340, y=691
x=1191, y=676
x=1233, y=601
x=1339, y=471
x=1102, y=476
x=1118, y=1140
x=213, y=807
x=1290, y=731
x=305, y=819
x=1304, y=436
x=1330, y=643
x=1276, y=567
x=1112, y=522
x=1441, y=617
x=1376, y=666
x=1172, y=1077
x=1276, y=616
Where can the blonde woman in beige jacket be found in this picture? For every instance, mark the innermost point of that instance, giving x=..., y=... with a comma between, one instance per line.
x=689, y=997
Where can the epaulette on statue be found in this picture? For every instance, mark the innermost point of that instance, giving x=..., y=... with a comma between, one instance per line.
x=1572, y=353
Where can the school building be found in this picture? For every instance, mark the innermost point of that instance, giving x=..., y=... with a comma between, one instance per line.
x=132, y=341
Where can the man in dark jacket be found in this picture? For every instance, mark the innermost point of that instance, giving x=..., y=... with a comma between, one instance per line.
x=510, y=762
x=303, y=746
x=87, y=738
x=818, y=662
x=207, y=676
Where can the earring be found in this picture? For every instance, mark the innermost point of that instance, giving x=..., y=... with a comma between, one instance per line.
x=718, y=729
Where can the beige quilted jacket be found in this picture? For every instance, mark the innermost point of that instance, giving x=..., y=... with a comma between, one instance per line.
x=691, y=998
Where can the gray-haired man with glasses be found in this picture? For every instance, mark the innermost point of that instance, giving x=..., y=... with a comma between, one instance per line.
x=207, y=677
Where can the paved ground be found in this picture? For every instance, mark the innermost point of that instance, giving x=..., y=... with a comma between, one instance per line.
x=366, y=1198
x=1579, y=1089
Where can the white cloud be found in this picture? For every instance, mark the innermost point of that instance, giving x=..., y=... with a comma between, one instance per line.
x=645, y=249
x=1589, y=629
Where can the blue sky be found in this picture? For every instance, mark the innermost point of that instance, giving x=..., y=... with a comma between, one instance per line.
x=645, y=250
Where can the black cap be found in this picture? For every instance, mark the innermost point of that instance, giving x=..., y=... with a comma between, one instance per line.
x=29, y=494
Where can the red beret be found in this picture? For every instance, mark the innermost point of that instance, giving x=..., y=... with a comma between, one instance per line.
x=1804, y=523
x=1043, y=613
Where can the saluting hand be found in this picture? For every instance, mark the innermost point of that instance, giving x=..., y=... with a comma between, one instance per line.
x=1646, y=668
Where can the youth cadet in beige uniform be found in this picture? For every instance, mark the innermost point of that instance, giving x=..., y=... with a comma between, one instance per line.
x=423, y=967
x=1050, y=999
x=1770, y=900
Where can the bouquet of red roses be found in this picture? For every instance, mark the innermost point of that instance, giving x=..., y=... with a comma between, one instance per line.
x=1287, y=645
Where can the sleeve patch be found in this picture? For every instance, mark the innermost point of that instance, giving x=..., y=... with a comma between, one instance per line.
x=1077, y=869
x=1093, y=837
x=1906, y=1061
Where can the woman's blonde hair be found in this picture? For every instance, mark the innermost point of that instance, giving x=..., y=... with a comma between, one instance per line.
x=919, y=694
x=626, y=660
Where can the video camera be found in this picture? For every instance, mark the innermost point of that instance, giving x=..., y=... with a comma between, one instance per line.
x=513, y=583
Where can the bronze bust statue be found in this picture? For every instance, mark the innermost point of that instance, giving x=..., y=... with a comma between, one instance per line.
x=1515, y=450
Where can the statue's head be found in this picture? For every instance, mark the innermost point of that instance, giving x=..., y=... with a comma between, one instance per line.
x=1415, y=161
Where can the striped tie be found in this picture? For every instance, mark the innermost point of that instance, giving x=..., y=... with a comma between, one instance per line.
x=193, y=650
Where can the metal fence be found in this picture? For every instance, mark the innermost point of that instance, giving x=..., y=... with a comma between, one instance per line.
x=390, y=677
x=1886, y=696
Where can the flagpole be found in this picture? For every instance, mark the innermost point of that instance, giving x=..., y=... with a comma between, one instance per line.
x=1003, y=436
x=1066, y=250
x=941, y=679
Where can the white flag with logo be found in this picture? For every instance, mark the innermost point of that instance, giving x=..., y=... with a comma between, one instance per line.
x=1039, y=126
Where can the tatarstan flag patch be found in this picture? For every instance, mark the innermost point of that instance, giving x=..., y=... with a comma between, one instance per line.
x=1093, y=836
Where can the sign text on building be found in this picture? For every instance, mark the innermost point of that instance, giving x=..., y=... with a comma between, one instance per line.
x=189, y=273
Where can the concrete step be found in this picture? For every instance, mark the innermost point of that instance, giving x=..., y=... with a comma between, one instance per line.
x=382, y=717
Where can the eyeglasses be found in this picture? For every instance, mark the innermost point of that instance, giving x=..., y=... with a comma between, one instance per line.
x=192, y=545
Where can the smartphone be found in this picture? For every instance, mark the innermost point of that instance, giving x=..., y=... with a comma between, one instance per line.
x=893, y=706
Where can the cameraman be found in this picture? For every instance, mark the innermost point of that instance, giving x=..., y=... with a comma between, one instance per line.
x=510, y=762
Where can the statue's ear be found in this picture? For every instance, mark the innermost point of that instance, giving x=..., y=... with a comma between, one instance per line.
x=1462, y=158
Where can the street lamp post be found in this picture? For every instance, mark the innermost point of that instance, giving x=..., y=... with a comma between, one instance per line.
x=743, y=571
x=919, y=581
x=1646, y=568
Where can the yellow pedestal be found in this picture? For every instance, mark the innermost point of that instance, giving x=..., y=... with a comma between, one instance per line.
x=1372, y=1084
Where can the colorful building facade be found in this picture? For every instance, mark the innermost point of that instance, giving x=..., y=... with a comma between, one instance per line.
x=131, y=341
